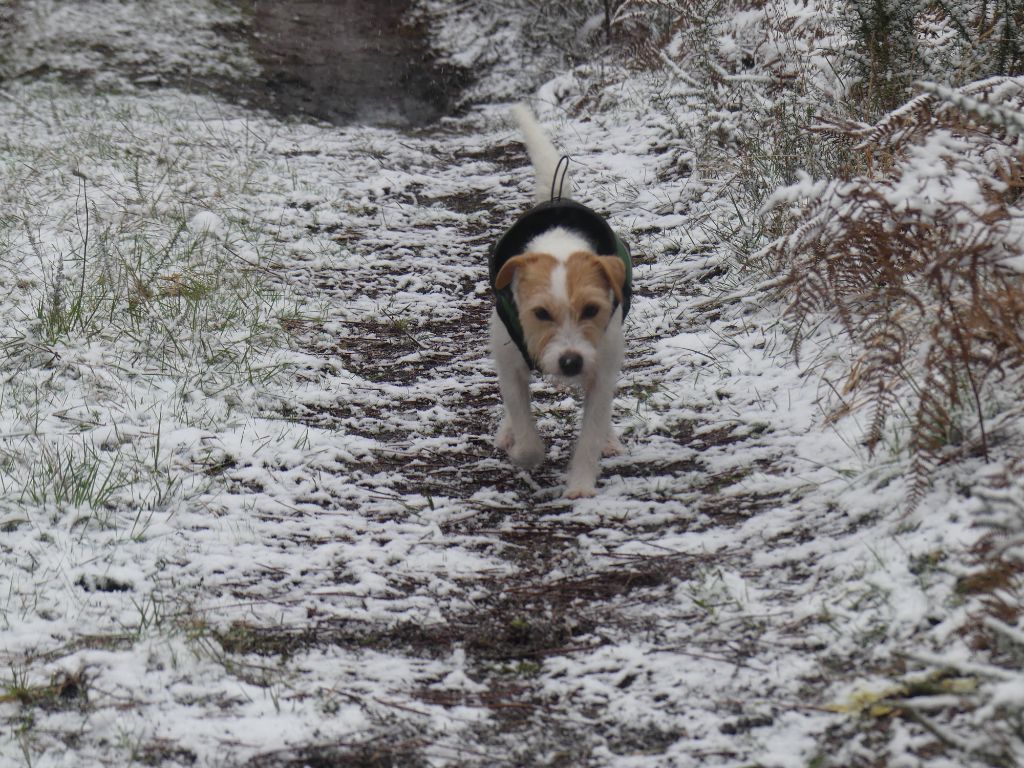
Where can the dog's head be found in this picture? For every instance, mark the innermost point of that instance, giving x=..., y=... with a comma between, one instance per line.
x=564, y=307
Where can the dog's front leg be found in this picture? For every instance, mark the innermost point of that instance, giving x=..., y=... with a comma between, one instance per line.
x=594, y=437
x=596, y=434
x=517, y=434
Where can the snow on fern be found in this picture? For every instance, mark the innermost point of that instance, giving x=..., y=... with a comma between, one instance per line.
x=918, y=260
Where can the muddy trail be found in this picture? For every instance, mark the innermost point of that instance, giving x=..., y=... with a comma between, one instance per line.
x=505, y=625
x=344, y=61
x=521, y=631
x=525, y=597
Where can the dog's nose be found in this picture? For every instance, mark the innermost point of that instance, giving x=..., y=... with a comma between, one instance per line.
x=571, y=363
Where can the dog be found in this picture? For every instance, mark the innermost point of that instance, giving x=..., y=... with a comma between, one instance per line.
x=562, y=281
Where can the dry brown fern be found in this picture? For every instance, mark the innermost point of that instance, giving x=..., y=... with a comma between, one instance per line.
x=922, y=263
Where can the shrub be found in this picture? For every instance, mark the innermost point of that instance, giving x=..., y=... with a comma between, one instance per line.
x=893, y=43
x=921, y=263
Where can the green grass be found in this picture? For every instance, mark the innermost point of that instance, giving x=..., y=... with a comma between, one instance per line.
x=112, y=297
x=73, y=474
x=121, y=328
x=62, y=691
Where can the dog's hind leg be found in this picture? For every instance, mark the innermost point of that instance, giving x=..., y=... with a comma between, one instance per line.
x=517, y=434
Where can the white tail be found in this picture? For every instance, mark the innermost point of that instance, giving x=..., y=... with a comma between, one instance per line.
x=542, y=154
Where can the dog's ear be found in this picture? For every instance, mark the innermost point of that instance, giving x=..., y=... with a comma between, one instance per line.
x=508, y=270
x=615, y=271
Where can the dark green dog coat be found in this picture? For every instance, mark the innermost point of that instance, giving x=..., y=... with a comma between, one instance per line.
x=554, y=213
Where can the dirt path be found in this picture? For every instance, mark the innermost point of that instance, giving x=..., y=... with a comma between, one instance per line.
x=529, y=631
x=346, y=61
x=532, y=631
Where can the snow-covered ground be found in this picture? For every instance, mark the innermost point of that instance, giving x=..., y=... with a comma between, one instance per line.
x=251, y=512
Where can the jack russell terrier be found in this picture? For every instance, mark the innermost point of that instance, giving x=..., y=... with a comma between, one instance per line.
x=562, y=281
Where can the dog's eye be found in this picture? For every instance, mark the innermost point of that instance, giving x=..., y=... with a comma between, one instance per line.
x=542, y=314
x=589, y=311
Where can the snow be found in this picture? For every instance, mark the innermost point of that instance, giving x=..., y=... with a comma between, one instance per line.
x=308, y=539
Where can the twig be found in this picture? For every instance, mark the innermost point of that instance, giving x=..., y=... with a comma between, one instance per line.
x=1011, y=633
x=710, y=657
x=402, y=707
x=933, y=729
x=967, y=667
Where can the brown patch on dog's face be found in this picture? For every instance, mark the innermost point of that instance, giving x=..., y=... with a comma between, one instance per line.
x=534, y=298
x=564, y=307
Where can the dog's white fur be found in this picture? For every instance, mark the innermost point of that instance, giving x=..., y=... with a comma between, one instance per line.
x=602, y=361
x=542, y=152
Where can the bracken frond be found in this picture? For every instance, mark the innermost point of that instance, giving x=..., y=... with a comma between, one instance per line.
x=922, y=264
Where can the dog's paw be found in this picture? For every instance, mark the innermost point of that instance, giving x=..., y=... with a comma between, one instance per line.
x=579, y=492
x=613, y=447
x=504, y=439
x=527, y=453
